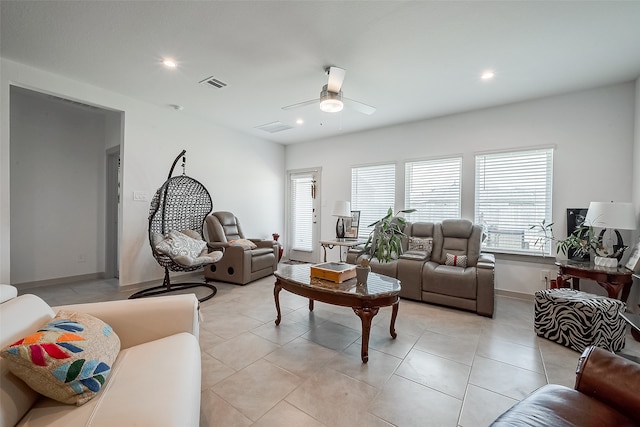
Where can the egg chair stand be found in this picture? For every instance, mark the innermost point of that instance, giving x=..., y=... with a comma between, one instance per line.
x=182, y=203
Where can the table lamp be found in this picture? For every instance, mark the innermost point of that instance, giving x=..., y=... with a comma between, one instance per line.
x=612, y=215
x=341, y=209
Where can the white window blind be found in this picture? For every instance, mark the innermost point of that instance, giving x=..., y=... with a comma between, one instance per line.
x=302, y=212
x=432, y=187
x=373, y=192
x=513, y=192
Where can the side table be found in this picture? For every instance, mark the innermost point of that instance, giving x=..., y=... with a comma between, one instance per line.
x=340, y=243
x=613, y=280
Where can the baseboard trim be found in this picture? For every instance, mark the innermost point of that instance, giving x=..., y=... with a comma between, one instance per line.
x=512, y=294
x=59, y=281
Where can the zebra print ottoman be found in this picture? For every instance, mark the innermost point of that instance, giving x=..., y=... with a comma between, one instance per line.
x=577, y=319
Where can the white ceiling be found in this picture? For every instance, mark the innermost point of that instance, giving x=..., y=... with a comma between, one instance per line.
x=411, y=60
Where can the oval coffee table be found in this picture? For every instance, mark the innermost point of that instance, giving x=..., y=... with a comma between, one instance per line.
x=365, y=300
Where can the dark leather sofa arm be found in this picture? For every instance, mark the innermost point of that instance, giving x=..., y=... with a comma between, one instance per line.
x=610, y=379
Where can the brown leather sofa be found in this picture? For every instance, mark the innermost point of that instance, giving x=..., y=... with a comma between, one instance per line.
x=240, y=264
x=606, y=394
x=425, y=276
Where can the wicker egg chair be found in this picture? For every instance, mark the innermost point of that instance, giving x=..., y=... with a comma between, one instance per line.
x=181, y=204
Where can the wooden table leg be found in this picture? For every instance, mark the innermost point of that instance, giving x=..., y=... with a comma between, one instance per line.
x=394, y=314
x=365, y=314
x=612, y=290
x=276, y=295
x=625, y=293
x=576, y=283
x=310, y=305
x=560, y=280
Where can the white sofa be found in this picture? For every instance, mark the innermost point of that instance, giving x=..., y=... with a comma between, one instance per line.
x=155, y=380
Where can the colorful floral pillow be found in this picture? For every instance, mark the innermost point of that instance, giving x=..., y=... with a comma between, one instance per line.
x=456, y=260
x=68, y=359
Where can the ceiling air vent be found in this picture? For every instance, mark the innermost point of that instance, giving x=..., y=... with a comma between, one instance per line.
x=274, y=127
x=213, y=82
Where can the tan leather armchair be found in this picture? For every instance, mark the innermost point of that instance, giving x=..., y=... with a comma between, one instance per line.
x=240, y=263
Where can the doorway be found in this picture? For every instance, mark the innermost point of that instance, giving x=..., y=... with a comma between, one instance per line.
x=303, y=213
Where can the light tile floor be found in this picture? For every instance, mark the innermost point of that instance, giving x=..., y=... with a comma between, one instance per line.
x=446, y=368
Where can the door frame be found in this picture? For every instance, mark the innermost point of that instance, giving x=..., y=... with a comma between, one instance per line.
x=314, y=255
x=113, y=200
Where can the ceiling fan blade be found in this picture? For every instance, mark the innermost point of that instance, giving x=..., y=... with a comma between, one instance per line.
x=300, y=104
x=336, y=77
x=359, y=106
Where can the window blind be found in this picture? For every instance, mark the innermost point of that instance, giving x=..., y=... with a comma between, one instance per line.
x=302, y=212
x=513, y=192
x=432, y=187
x=372, y=193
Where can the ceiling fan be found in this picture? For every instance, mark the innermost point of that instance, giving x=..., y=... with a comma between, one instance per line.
x=331, y=99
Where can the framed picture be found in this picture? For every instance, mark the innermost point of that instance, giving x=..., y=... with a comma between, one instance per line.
x=351, y=225
x=575, y=218
x=633, y=263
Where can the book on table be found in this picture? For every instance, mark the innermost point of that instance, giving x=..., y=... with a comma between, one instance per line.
x=333, y=271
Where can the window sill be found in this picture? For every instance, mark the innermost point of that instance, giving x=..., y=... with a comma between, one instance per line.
x=523, y=257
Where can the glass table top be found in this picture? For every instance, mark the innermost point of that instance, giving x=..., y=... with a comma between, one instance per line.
x=377, y=285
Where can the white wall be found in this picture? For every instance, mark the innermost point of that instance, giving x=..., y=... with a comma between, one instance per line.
x=634, y=297
x=243, y=174
x=592, y=131
x=57, y=189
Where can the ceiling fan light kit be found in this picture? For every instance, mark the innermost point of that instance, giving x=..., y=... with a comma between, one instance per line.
x=330, y=102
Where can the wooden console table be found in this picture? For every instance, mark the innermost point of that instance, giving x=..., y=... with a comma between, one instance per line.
x=612, y=279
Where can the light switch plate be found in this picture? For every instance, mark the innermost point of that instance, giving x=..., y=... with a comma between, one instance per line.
x=140, y=196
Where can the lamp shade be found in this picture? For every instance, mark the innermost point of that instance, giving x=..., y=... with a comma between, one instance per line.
x=342, y=209
x=611, y=215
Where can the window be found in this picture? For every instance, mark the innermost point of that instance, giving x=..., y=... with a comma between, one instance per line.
x=372, y=193
x=432, y=187
x=513, y=192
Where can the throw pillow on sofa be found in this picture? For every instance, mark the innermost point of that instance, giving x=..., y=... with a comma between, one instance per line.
x=456, y=260
x=243, y=243
x=68, y=359
x=421, y=244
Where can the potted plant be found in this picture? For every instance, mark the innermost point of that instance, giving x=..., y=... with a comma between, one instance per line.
x=386, y=238
x=582, y=241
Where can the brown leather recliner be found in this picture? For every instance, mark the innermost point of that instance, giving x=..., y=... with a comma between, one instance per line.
x=240, y=263
x=606, y=394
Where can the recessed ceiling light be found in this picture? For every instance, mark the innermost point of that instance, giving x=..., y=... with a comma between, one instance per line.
x=299, y=121
x=487, y=75
x=169, y=63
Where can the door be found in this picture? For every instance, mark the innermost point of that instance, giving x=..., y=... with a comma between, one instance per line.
x=303, y=226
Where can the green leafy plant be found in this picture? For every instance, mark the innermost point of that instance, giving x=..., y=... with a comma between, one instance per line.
x=583, y=241
x=386, y=237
